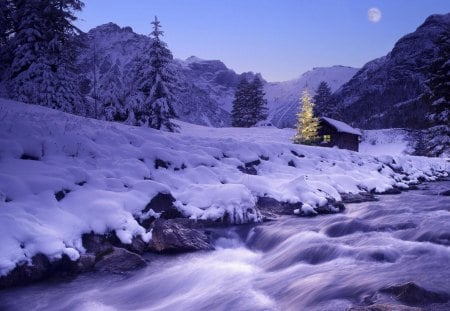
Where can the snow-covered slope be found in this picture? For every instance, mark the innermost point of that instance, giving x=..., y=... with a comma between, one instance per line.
x=62, y=175
x=284, y=97
x=387, y=141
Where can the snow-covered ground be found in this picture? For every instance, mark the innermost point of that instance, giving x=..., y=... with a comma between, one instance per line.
x=110, y=171
x=386, y=141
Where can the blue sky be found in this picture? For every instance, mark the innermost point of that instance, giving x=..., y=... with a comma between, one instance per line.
x=279, y=38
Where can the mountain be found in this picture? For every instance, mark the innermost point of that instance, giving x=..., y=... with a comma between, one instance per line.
x=283, y=97
x=205, y=88
x=389, y=91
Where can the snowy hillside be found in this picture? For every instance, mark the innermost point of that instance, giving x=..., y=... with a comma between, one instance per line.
x=62, y=175
x=283, y=97
x=387, y=141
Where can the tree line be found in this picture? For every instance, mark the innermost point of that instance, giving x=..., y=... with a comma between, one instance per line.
x=39, y=45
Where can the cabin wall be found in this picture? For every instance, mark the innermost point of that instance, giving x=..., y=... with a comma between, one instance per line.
x=339, y=139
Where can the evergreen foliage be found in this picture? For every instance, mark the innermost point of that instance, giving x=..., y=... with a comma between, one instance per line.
x=249, y=104
x=307, y=124
x=156, y=81
x=322, y=101
x=44, y=49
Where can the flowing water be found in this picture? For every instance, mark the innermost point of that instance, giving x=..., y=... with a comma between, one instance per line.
x=323, y=263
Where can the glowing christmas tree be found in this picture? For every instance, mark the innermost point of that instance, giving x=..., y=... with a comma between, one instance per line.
x=307, y=124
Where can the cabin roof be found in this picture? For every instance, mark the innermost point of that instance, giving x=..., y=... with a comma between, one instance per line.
x=341, y=126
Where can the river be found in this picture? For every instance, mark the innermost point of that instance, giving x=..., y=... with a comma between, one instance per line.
x=323, y=263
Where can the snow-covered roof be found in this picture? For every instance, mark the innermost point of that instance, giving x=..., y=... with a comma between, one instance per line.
x=342, y=127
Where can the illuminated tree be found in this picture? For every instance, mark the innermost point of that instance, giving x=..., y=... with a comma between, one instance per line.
x=307, y=124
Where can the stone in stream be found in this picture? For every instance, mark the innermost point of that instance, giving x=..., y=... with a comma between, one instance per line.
x=412, y=294
x=171, y=236
x=119, y=260
x=383, y=307
x=358, y=197
x=445, y=193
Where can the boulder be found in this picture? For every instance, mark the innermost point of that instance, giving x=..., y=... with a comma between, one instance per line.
x=172, y=236
x=446, y=193
x=383, y=307
x=119, y=260
x=358, y=197
x=25, y=273
x=96, y=244
x=412, y=294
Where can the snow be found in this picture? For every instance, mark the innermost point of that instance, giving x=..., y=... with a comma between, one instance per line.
x=108, y=174
x=386, y=141
x=342, y=127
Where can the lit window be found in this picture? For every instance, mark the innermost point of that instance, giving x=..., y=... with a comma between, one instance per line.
x=326, y=138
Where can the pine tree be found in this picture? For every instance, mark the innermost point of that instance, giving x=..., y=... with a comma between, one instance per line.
x=43, y=67
x=156, y=81
x=6, y=30
x=239, y=112
x=249, y=104
x=258, y=104
x=322, y=104
x=307, y=125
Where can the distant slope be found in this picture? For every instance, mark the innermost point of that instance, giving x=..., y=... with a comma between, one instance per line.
x=387, y=91
x=204, y=87
x=283, y=97
x=388, y=142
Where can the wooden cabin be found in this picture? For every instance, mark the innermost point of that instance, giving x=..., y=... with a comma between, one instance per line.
x=337, y=133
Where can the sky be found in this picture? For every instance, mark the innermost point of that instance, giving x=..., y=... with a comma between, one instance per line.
x=281, y=39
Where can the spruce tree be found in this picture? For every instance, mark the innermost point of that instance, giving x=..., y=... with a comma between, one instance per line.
x=307, y=125
x=156, y=81
x=322, y=103
x=239, y=113
x=258, y=104
x=43, y=67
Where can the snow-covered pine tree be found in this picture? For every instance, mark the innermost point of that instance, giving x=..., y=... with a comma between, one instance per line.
x=239, y=112
x=43, y=67
x=6, y=30
x=307, y=124
x=156, y=81
x=322, y=103
x=258, y=104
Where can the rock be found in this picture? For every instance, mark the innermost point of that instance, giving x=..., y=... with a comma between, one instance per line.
x=25, y=274
x=137, y=245
x=389, y=191
x=331, y=207
x=119, y=260
x=250, y=167
x=160, y=203
x=358, y=197
x=412, y=294
x=171, y=236
x=383, y=307
x=96, y=244
x=446, y=193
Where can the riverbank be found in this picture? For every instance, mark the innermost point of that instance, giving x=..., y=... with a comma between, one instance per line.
x=78, y=194
x=391, y=254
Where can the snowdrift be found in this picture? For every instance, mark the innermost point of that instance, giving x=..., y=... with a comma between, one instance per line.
x=63, y=175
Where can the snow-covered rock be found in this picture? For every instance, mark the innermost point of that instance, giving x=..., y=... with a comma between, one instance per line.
x=63, y=176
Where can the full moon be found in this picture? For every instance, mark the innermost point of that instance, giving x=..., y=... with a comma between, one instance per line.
x=374, y=15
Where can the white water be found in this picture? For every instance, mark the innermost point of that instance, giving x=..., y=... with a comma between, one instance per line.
x=322, y=263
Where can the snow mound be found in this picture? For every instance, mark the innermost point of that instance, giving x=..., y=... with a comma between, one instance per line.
x=63, y=175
